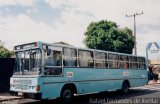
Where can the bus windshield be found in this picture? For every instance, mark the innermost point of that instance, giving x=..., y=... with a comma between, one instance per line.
x=28, y=62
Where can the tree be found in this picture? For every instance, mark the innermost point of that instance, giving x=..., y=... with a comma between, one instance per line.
x=4, y=53
x=106, y=35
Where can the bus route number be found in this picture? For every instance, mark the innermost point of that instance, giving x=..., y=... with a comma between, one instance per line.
x=69, y=74
x=125, y=73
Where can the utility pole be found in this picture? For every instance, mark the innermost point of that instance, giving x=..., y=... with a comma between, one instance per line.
x=134, y=15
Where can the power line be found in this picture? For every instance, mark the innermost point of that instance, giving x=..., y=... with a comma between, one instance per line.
x=134, y=15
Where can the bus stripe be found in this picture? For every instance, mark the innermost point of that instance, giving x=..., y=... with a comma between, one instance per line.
x=92, y=80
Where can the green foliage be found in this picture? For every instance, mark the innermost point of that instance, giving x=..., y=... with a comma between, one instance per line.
x=105, y=35
x=4, y=53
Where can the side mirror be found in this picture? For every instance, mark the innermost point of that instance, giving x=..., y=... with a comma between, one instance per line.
x=49, y=52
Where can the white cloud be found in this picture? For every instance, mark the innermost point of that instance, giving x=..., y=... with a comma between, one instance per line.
x=57, y=3
x=76, y=16
x=17, y=2
x=22, y=29
x=114, y=11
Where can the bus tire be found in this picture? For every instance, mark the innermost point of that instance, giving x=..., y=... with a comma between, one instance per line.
x=125, y=87
x=67, y=95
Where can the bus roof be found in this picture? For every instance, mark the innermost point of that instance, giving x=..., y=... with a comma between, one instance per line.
x=71, y=46
x=97, y=50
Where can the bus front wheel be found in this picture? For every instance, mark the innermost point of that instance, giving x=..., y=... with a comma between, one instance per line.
x=125, y=87
x=67, y=95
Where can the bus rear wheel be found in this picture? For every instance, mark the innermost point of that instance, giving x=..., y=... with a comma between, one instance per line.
x=125, y=88
x=67, y=95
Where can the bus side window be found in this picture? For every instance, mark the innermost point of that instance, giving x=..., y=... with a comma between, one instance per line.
x=141, y=63
x=85, y=58
x=70, y=57
x=99, y=60
x=113, y=61
x=126, y=66
x=133, y=62
x=57, y=58
x=54, y=59
x=52, y=71
x=53, y=63
x=124, y=63
x=48, y=60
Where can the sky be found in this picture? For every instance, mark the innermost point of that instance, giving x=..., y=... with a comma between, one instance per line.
x=23, y=21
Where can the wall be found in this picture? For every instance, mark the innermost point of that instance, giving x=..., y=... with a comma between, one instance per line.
x=6, y=71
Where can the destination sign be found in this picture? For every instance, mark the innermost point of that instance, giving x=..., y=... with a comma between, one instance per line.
x=26, y=46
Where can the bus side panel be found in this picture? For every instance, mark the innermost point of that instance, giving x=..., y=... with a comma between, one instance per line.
x=98, y=86
x=137, y=82
x=51, y=87
x=137, y=78
x=89, y=80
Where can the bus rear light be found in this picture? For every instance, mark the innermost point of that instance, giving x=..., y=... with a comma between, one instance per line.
x=37, y=88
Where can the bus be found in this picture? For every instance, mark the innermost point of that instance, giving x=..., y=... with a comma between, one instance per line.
x=50, y=71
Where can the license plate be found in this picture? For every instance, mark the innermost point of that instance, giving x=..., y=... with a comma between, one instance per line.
x=20, y=93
